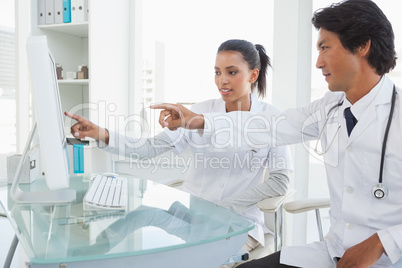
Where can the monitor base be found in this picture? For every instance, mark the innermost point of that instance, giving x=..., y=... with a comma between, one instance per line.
x=38, y=197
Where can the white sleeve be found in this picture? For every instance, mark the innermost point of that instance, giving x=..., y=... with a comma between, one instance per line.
x=246, y=130
x=138, y=147
x=391, y=239
x=270, y=128
x=178, y=139
x=279, y=158
x=276, y=184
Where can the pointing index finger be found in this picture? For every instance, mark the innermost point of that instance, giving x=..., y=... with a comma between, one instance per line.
x=76, y=117
x=166, y=106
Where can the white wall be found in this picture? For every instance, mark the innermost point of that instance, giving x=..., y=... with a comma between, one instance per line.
x=292, y=87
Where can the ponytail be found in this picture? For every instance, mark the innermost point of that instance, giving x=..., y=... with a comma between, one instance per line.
x=265, y=62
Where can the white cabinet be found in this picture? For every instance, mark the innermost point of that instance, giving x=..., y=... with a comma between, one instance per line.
x=102, y=43
x=69, y=45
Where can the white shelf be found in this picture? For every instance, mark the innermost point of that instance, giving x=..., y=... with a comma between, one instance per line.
x=73, y=82
x=79, y=29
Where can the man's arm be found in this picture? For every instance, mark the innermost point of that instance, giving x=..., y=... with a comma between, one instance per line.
x=248, y=130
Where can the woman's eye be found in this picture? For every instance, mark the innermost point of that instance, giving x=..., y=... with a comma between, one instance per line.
x=217, y=73
x=233, y=72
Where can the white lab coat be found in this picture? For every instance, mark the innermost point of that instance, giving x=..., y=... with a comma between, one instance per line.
x=352, y=167
x=216, y=175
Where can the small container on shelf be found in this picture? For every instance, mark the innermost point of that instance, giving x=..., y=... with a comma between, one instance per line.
x=82, y=71
x=85, y=70
x=59, y=71
x=80, y=75
x=71, y=75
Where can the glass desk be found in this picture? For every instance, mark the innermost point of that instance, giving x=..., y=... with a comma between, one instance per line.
x=162, y=226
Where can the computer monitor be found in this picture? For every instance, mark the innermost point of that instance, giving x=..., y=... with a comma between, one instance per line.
x=50, y=128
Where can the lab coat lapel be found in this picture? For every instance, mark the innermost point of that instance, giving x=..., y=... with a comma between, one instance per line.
x=368, y=118
x=370, y=115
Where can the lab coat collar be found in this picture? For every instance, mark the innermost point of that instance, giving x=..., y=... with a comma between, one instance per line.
x=370, y=115
x=255, y=105
x=222, y=106
x=385, y=94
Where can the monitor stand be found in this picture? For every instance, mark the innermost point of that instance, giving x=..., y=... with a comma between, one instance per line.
x=38, y=197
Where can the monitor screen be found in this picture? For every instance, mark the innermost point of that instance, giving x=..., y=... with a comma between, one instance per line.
x=48, y=113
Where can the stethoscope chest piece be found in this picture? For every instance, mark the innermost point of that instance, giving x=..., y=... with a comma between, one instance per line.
x=379, y=191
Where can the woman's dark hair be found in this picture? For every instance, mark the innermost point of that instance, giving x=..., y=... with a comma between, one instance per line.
x=256, y=58
x=356, y=22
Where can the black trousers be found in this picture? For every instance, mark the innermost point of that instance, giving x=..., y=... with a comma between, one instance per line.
x=270, y=261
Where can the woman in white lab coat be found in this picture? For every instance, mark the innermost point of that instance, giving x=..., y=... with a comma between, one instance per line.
x=236, y=180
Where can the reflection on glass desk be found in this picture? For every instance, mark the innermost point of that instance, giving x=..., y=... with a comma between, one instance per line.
x=162, y=227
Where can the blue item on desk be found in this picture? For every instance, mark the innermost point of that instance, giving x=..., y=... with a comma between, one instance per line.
x=78, y=158
x=76, y=155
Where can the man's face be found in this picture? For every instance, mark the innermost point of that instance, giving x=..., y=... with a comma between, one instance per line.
x=339, y=66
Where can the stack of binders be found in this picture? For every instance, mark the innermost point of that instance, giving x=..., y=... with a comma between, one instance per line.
x=62, y=11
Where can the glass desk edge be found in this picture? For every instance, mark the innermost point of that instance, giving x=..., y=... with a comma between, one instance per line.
x=40, y=260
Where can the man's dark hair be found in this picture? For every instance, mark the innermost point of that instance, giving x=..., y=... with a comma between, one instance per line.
x=356, y=22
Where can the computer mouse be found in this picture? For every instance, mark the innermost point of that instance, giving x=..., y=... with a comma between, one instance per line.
x=110, y=174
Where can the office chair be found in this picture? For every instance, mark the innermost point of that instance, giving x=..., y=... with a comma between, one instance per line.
x=175, y=183
x=275, y=207
x=304, y=205
x=273, y=213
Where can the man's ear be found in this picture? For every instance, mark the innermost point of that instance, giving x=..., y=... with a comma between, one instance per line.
x=364, y=49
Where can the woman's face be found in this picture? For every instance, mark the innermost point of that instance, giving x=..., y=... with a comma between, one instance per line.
x=233, y=79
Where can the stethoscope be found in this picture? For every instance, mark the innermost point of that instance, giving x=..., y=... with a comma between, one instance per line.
x=322, y=130
x=379, y=191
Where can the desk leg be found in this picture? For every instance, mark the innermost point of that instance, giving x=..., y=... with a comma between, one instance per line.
x=11, y=251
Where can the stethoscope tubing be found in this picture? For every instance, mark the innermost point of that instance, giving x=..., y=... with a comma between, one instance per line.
x=384, y=143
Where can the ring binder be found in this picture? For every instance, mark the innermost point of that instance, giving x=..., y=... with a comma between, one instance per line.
x=49, y=7
x=41, y=12
x=58, y=11
x=66, y=11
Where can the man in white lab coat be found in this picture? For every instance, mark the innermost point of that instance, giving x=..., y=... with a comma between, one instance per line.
x=358, y=125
